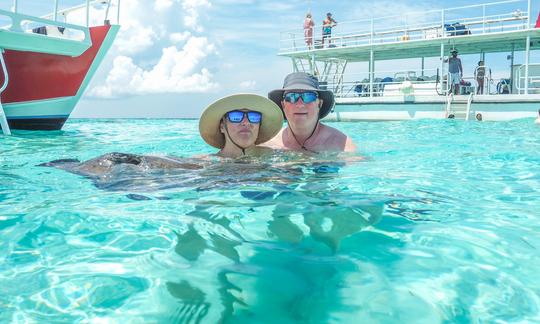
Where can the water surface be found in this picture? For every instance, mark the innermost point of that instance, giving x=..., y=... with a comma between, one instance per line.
x=439, y=224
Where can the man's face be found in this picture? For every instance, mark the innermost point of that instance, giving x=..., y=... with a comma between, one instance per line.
x=300, y=114
x=243, y=133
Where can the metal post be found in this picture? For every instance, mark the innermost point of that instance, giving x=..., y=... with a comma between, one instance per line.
x=107, y=10
x=87, y=13
x=371, y=33
x=3, y=118
x=527, y=54
x=442, y=69
x=528, y=14
x=295, y=67
x=312, y=64
x=443, y=32
x=118, y=14
x=371, y=71
x=512, y=79
x=55, y=10
x=422, y=66
x=15, y=9
x=483, y=19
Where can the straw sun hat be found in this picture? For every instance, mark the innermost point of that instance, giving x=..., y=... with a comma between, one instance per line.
x=272, y=118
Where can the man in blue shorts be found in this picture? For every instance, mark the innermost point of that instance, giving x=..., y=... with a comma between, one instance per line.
x=328, y=23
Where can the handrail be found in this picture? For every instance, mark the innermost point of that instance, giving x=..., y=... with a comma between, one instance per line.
x=3, y=118
x=449, y=99
x=529, y=79
x=17, y=18
x=469, y=102
x=86, y=5
x=412, y=13
x=356, y=32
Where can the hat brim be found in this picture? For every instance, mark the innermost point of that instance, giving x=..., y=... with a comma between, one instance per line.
x=271, y=123
x=325, y=95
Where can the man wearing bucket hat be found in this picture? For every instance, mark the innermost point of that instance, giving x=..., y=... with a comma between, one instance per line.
x=236, y=124
x=455, y=71
x=304, y=103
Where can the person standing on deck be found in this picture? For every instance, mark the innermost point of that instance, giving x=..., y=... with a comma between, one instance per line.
x=304, y=104
x=455, y=71
x=308, y=30
x=328, y=23
x=480, y=75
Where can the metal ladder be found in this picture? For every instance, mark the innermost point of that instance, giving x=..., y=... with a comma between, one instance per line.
x=3, y=119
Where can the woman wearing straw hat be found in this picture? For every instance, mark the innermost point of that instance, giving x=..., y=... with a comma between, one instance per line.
x=304, y=104
x=237, y=123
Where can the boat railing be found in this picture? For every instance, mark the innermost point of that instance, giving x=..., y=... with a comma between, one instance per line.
x=55, y=33
x=21, y=23
x=451, y=22
x=384, y=82
x=530, y=84
x=428, y=82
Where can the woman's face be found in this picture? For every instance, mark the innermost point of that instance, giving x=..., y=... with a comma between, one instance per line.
x=242, y=132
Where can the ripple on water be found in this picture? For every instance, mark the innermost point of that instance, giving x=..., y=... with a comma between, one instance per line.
x=438, y=224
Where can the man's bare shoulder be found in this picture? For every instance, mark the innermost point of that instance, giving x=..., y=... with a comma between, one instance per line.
x=335, y=139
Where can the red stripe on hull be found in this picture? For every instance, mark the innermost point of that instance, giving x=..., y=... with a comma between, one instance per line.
x=37, y=76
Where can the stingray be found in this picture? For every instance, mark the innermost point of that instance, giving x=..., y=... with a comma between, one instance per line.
x=144, y=173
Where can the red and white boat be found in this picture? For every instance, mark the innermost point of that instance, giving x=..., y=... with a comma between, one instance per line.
x=46, y=65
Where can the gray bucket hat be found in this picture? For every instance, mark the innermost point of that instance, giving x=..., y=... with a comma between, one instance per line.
x=304, y=81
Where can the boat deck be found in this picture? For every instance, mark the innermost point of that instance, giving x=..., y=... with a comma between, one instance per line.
x=491, y=27
x=467, y=44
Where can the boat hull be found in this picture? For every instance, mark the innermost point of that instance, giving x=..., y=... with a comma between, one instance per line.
x=44, y=89
x=492, y=108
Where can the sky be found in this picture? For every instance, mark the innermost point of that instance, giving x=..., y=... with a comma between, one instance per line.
x=172, y=58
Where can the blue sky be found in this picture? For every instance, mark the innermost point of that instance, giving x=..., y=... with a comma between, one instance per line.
x=173, y=57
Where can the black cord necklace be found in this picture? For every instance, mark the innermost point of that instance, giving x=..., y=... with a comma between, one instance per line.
x=240, y=147
x=303, y=144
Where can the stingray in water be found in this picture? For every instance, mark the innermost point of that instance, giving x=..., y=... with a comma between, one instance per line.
x=144, y=173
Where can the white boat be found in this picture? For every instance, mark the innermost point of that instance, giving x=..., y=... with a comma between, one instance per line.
x=481, y=29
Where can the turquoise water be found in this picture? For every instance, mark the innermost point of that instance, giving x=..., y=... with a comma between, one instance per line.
x=440, y=224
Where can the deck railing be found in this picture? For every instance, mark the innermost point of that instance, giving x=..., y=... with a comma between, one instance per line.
x=486, y=18
x=429, y=82
x=61, y=32
x=532, y=81
x=62, y=16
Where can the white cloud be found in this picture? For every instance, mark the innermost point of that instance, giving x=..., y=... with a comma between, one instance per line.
x=247, y=85
x=179, y=37
x=156, y=55
x=161, y=5
x=176, y=72
x=192, y=8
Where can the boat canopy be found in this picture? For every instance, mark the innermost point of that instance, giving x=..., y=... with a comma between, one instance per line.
x=467, y=44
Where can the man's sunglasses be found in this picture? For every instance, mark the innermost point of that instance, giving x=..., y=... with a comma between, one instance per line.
x=236, y=116
x=307, y=97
